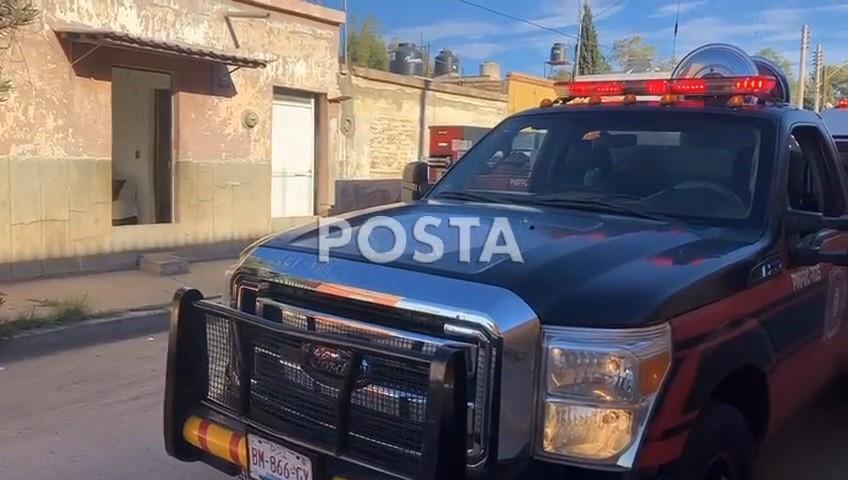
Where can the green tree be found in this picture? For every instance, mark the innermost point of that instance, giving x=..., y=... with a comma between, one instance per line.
x=836, y=83
x=781, y=61
x=366, y=47
x=591, y=60
x=633, y=54
x=14, y=14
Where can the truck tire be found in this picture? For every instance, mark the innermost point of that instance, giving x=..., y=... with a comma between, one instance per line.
x=720, y=447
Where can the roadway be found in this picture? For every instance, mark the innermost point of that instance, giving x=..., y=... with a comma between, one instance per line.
x=95, y=414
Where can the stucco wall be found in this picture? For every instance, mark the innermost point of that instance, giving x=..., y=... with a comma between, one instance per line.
x=391, y=115
x=55, y=129
x=526, y=91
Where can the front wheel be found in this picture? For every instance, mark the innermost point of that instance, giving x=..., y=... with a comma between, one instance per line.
x=720, y=447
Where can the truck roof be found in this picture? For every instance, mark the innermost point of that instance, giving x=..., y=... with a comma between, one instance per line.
x=774, y=111
x=836, y=120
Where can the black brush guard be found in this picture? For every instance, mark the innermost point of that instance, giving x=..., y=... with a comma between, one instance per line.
x=443, y=450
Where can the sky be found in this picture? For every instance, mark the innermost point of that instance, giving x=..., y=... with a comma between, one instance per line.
x=476, y=35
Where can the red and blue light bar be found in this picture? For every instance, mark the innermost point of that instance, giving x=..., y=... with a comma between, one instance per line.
x=703, y=87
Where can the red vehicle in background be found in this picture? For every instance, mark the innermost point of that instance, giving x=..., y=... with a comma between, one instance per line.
x=447, y=144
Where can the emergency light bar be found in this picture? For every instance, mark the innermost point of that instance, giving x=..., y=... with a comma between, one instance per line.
x=702, y=87
x=842, y=103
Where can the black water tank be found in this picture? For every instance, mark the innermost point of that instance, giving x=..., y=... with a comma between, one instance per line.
x=446, y=63
x=559, y=53
x=407, y=59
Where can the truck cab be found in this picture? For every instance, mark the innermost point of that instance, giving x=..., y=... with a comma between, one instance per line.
x=641, y=285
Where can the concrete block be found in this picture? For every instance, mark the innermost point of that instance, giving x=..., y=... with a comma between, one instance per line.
x=27, y=241
x=163, y=264
x=54, y=189
x=25, y=190
x=5, y=213
x=56, y=243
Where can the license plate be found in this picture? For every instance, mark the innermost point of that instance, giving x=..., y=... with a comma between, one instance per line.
x=271, y=461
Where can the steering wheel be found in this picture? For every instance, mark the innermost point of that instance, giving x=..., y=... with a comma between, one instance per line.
x=718, y=188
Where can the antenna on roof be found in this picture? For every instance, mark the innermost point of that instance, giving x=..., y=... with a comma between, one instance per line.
x=676, y=25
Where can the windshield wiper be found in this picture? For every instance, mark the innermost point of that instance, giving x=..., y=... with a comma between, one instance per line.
x=471, y=196
x=599, y=203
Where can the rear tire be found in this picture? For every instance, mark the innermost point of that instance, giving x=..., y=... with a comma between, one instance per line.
x=720, y=447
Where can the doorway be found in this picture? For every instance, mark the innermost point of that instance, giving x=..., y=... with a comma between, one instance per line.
x=142, y=175
x=293, y=156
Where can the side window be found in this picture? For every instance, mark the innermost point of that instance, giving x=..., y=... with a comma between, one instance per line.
x=509, y=168
x=806, y=183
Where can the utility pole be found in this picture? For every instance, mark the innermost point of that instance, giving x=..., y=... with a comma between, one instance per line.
x=802, y=67
x=576, y=70
x=819, y=76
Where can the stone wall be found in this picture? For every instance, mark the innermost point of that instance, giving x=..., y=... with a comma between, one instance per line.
x=55, y=128
x=391, y=114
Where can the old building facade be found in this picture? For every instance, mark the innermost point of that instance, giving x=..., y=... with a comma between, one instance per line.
x=150, y=125
x=195, y=126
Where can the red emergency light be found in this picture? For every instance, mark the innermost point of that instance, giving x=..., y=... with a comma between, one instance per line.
x=842, y=103
x=703, y=87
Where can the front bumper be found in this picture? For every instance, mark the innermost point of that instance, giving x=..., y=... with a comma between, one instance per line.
x=188, y=405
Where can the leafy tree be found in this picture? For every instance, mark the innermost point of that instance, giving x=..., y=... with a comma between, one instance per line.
x=633, y=54
x=366, y=47
x=836, y=83
x=560, y=74
x=14, y=14
x=781, y=61
x=591, y=60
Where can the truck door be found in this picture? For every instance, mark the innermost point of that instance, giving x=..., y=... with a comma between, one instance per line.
x=807, y=332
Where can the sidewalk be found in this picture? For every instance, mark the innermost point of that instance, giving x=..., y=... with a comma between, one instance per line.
x=113, y=292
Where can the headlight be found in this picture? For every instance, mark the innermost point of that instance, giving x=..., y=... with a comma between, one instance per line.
x=599, y=390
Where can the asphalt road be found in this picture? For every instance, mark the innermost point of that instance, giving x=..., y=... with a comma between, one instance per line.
x=95, y=414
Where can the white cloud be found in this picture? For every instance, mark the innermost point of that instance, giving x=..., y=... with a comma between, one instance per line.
x=672, y=8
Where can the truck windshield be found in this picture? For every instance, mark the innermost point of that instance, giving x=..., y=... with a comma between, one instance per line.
x=706, y=167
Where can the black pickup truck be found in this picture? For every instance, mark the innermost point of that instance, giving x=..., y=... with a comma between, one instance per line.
x=678, y=294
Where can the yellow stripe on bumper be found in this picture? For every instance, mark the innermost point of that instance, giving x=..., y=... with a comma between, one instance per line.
x=217, y=440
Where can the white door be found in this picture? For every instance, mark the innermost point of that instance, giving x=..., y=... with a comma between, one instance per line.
x=292, y=156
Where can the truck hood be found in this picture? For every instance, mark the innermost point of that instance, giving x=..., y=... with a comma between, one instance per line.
x=576, y=268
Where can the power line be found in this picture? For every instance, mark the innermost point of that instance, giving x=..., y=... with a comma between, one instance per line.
x=524, y=20
x=602, y=12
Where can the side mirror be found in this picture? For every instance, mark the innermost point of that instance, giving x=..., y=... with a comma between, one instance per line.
x=817, y=229
x=414, y=183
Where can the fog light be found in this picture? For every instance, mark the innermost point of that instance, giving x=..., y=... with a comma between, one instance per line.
x=586, y=432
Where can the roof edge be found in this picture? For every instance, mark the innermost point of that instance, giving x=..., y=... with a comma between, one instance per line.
x=300, y=8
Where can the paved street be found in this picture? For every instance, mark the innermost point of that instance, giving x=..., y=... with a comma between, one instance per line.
x=95, y=414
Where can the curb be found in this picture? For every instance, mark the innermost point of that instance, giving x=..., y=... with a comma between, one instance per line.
x=89, y=332
x=107, y=327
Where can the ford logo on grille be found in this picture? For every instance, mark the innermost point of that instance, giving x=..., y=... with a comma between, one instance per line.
x=331, y=366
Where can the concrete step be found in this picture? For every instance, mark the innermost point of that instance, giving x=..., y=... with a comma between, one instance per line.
x=163, y=264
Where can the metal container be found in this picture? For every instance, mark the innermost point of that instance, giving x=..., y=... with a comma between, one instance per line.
x=491, y=70
x=446, y=63
x=559, y=54
x=407, y=59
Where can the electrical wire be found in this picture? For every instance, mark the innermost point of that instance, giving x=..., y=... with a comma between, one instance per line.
x=524, y=20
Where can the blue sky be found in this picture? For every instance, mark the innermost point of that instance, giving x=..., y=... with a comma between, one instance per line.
x=476, y=35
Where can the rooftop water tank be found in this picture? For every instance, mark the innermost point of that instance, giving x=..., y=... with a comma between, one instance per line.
x=559, y=54
x=407, y=59
x=446, y=63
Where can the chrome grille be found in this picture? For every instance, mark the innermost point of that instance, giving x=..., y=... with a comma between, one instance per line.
x=394, y=395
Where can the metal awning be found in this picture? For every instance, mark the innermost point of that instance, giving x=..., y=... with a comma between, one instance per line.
x=115, y=39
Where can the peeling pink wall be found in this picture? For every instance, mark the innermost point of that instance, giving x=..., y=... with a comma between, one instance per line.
x=55, y=128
